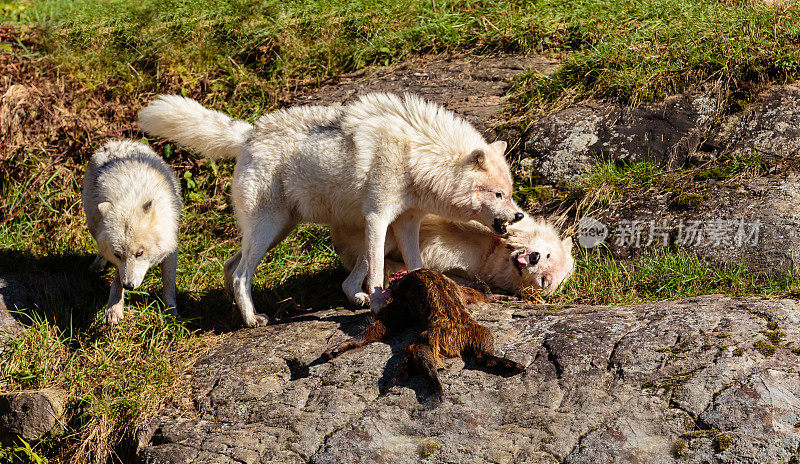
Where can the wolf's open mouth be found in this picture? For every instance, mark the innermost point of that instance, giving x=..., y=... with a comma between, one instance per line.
x=500, y=226
x=520, y=259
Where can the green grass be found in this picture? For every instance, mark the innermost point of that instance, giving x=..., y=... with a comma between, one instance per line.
x=665, y=274
x=735, y=164
x=246, y=48
x=607, y=181
x=610, y=180
x=648, y=50
x=21, y=453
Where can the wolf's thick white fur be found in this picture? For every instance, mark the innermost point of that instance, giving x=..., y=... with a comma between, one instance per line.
x=383, y=159
x=132, y=203
x=531, y=254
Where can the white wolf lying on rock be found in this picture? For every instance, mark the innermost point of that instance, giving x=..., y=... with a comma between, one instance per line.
x=531, y=254
x=132, y=203
x=383, y=159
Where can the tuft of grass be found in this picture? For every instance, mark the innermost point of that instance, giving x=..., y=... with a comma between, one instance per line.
x=734, y=165
x=22, y=453
x=610, y=180
x=669, y=383
x=688, y=201
x=662, y=274
x=722, y=442
x=679, y=448
x=719, y=440
x=764, y=347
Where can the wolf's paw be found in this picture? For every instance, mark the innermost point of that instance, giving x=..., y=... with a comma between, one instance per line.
x=360, y=299
x=114, y=316
x=257, y=320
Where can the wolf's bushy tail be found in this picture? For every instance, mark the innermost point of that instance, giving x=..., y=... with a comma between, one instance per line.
x=190, y=124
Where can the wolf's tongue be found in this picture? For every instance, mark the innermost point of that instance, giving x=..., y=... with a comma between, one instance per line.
x=521, y=260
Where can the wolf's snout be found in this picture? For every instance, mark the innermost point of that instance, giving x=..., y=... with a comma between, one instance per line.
x=518, y=217
x=533, y=258
x=127, y=286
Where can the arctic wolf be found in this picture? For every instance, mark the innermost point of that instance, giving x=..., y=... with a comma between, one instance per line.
x=383, y=159
x=132, y=203
x=531, y=254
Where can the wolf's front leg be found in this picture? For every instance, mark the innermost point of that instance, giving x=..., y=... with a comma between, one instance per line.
x=116, y=300
x=353, y=285
x=377, y=225
x=169, y=270
x=406, y=232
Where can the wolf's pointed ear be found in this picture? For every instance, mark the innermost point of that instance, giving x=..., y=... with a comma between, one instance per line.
x=146, y=206
x=499, y=147
x=567, y=245
x=104, y=207
x=477, y=159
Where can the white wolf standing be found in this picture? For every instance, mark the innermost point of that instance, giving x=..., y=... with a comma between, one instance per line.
x=531, y=254
x=383, y=159
x=132, y=203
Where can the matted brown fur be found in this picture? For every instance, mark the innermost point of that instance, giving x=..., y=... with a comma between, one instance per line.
x=436, y=305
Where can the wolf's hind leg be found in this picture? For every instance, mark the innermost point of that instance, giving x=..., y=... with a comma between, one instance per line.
x=98, y=264
x=406, y=232
x=258, y=236
x=227, y=271
x=169, y=270
x=375, y=332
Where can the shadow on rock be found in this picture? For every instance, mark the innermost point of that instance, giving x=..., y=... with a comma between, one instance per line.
x=295, y=299
x=393, y=374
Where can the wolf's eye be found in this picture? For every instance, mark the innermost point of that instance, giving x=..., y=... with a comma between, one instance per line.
x=139, y=253
x=499, y=194
x=548, y=255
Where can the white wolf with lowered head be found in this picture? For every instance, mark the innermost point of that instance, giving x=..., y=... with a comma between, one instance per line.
x=382, y=159
x=531, y=254
x=132, y=203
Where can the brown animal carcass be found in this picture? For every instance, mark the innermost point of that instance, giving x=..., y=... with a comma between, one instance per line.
x=434, y=304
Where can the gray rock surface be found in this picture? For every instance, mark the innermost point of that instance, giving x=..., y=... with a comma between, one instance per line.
x=768, y=127
x=755, y=221
x=30, y=414
x=474, y=87
x=685, y=381
x=563, y=145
